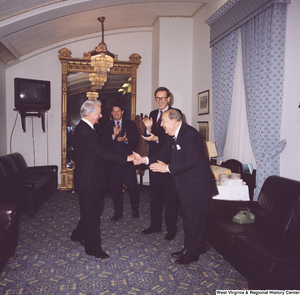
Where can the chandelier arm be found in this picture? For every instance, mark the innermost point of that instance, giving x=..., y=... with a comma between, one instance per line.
x=101, y=20
x=102, y=60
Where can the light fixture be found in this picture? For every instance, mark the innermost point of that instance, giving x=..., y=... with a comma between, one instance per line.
x=102, y=60
x=126, y=87
x=92, y=95
x=97, y=81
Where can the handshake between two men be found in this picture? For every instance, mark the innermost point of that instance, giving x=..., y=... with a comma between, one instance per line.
x=159, y=166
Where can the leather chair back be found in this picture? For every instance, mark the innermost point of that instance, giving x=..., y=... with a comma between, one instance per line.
x=234, y=165
x=20, y=163
x=279, y=209
x=10, y=167
x=3, y=175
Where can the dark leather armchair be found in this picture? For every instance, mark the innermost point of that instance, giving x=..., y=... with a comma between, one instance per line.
x=9, y=229
x=28, y=187
x=266, y=253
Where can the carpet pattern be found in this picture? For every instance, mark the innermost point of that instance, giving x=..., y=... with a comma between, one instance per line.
x=48, y=262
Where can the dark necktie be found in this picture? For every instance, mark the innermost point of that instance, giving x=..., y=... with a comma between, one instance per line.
x=159, y=120
x=95, y=130
x=173, y=144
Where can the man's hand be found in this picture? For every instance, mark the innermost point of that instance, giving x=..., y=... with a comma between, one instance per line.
x=130, y=158
x=148, y=123
x=159, y=167
x=122, y=138
x=152, y=137
x=116, y=130
x=138, y=159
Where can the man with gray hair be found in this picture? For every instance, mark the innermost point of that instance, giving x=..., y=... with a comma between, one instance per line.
x=90, y=177
x=185, y=152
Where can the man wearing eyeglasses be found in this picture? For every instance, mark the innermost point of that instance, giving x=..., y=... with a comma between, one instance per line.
x=162, y=188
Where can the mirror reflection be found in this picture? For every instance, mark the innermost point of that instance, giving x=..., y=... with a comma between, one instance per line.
x=76, y=84
x=116, y=89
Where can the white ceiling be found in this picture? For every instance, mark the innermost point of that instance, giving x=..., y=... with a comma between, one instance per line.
x=30, y=25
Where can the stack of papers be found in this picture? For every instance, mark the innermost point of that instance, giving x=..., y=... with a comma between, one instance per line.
x=234, y=182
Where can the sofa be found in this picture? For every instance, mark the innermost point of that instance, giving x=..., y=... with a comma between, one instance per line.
x=266, y=252
x=28, y=187
x=9, y=230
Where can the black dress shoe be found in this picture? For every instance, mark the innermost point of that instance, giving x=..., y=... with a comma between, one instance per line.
x=98, y=254
x=81, y=241
x=116, y=217
x=186, y=259
x=179, y=253
x=135, y=214
x=149, y=231
x=169, y=236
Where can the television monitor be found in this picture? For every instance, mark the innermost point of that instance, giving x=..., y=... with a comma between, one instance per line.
x=32, y=95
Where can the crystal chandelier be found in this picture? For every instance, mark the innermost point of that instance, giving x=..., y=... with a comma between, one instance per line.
x=102, y=60
x=96, y=80
x=92, y=94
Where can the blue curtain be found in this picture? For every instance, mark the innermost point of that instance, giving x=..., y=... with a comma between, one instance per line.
x=263, y=47
x=223, y=65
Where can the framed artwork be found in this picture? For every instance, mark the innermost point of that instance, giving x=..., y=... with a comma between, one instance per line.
x=203, y=102
x=203, y=129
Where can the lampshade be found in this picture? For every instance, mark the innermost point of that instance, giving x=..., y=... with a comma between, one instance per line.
x=102, y=60
x=211, y=149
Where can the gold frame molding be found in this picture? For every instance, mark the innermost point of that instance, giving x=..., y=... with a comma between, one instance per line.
x=72, y=64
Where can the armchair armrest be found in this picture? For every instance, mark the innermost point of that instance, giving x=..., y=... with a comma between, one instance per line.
x=18, y=185
x=7, y=212
x=42, y=169
x=225, y=210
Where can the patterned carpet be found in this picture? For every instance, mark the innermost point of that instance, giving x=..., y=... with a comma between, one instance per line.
x=48, y=262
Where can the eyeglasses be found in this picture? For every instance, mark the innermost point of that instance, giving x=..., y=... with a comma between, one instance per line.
x=160, y=98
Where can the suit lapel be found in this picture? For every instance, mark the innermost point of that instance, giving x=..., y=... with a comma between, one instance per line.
x=180, y=133
x=89, y=129
x=154, y=120
x=179, y=140
x=155, y=116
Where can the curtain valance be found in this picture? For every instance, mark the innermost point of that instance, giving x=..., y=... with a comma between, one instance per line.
x=233, y=14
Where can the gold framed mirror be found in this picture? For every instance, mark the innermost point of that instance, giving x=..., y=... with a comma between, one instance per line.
x=75, y=84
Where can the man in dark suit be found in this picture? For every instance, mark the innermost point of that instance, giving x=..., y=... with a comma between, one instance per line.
x=121, y=136
x=162, y=189
x=90, y=178
x=185, y=152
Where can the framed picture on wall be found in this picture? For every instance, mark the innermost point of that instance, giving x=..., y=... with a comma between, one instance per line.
x=203, y=129
x=203, y=102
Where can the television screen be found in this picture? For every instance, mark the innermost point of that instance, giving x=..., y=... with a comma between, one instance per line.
x=32, y=95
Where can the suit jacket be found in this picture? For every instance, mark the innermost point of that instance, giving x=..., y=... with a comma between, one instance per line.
x=189, y=166
x=121, y=147
x=90, y=159
x=154, y=147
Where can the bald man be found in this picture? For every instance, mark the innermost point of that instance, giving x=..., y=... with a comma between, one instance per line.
x=185, y=152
